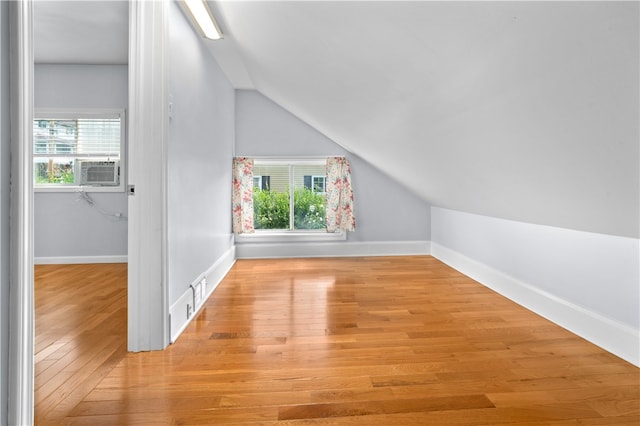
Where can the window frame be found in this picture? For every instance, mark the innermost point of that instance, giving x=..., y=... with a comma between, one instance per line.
x=79, y=113
x=259, y=185
x=291, y=235
x=324, y=184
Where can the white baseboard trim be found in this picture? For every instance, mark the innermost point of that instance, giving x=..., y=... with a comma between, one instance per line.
x=186, y=308
x=613, y=336
x=70, y=260
x=332, y=249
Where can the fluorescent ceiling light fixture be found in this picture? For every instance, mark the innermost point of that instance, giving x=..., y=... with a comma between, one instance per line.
x=203, y=17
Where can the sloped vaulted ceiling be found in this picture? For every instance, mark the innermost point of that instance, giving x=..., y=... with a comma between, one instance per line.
x=520, y=110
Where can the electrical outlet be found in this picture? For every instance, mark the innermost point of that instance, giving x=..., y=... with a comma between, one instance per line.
x=188, y=311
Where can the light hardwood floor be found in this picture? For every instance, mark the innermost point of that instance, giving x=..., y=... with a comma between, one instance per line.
x=370, y=341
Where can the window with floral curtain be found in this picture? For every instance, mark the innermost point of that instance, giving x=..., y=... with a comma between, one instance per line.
x=319, y=202
x=242, y=197
x=339, y=213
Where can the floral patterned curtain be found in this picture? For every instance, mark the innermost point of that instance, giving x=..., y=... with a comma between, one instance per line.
x=242, y=198
x=339, y=196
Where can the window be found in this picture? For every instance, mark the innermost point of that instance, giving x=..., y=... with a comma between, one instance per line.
x=289, y=195
x=288, y=209
x=262, y=182
x=315, y=183
x=82, y=149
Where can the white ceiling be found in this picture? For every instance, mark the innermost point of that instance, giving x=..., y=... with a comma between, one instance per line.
x=81, y=32
x=521, y=110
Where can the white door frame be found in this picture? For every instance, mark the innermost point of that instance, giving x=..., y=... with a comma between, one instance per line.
x=20, y=386
x=148, y=319
x=148, y=124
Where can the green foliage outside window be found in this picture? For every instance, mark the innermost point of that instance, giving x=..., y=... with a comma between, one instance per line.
x=271, y=209
x=54, y=173
x=308, y=209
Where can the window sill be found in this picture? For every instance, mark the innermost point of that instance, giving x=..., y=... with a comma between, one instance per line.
x=74, y=188
x=290, y=236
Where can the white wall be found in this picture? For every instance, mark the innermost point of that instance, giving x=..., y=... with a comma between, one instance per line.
x=200, y=153
x=385, y=210
x=67, y=229
x=5, y=143
x=586, y=282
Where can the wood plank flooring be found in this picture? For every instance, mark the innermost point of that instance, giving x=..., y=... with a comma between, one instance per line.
x=369, y=341
x=80, y=333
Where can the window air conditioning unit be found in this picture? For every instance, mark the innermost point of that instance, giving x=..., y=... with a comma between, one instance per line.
x=100, y=173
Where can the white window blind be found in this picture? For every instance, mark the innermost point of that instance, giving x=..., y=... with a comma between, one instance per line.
x=82, y=137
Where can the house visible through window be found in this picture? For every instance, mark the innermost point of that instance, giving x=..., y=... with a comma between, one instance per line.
x=78, y=149
x=289, y=195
